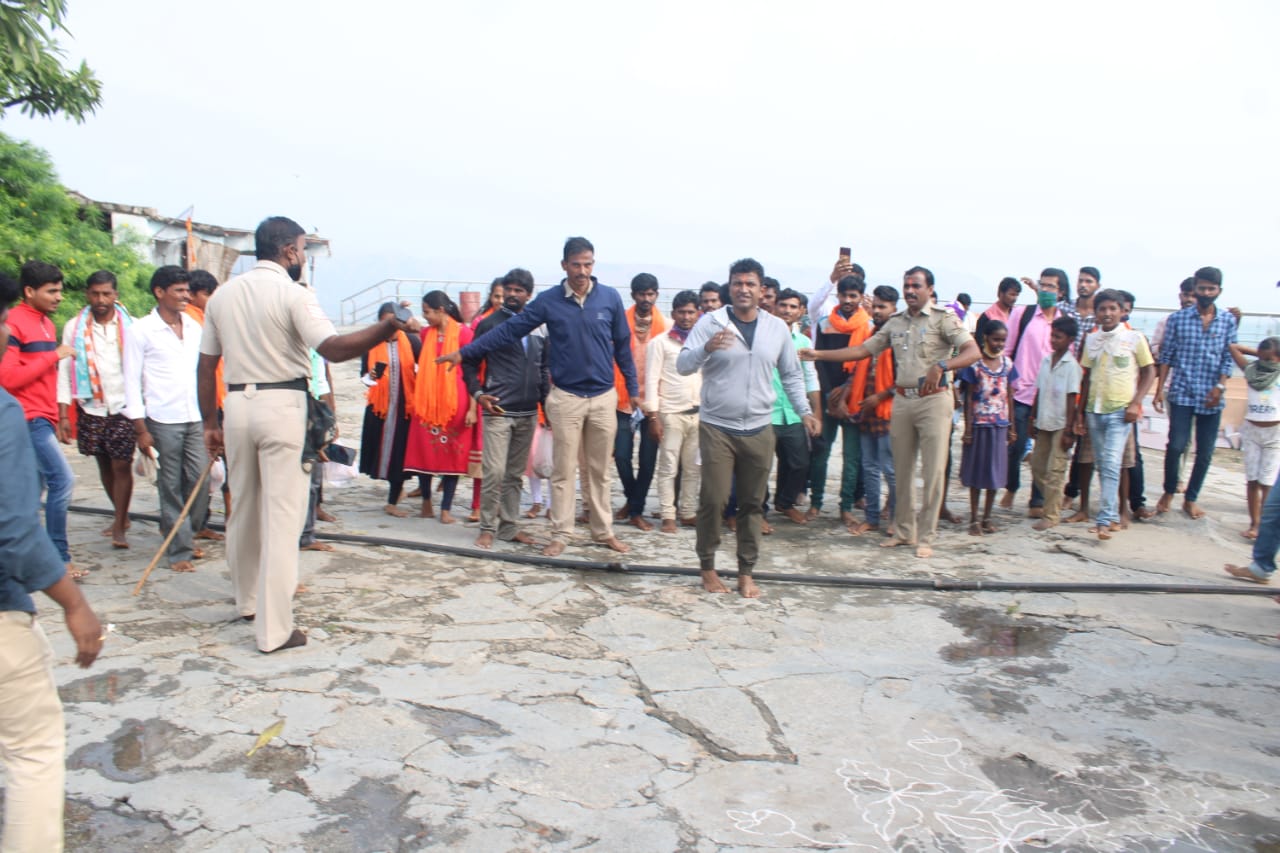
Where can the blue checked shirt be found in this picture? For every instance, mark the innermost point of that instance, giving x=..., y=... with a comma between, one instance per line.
x=1198, y=357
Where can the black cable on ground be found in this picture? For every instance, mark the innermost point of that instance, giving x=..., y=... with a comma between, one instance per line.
x=839, y=581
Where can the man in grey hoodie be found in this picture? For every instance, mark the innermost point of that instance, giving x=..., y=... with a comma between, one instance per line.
x=737, y=347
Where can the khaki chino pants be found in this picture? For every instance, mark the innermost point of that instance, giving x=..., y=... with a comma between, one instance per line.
x=507, y=441
x=263, y=432
x=725, y=457
x=678, y=452
x=1049, y=470
x=586, y=424
x=920, y=426
x=33, y=739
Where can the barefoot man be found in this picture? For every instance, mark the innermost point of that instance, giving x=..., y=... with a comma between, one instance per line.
x=923, y=339
x=587, y=335
x=737, y=348
x=515, y=381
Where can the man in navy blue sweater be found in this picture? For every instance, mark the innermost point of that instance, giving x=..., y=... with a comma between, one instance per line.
x=587, y=334
x=33, y=739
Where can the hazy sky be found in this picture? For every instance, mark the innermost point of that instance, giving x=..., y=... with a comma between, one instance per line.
x=433, y=140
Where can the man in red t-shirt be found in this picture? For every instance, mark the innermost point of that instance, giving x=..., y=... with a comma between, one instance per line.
x=29, y=371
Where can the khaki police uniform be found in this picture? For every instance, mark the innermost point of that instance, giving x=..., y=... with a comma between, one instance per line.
x=920, y=425
x=264, y=325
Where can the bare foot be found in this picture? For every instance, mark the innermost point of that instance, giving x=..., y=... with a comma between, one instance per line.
x=1162, y=505
x=183, y=566
x=107, y=531
x=1244, y=574
x=1182, y=487
x=324, y=515
x=584, y=517
x=846, y=518
x=613, y=543
x=795, y=516
x=668, y=526
x=988, y=526
x=446, y=517
x=524, y=538
x=1251, y=533
x=300, y=589
x=766, y=528
x=623, y=513
x=118, y=539
x=862, y=527
x=1192, y=509
x=1079, y=518
x=316, y=546
x=416, y=493
x=1144, y=513
x=1067, y=503
x=392, y=509
x=891, y=530
x=924, y=552
x=1123, y=524
x=197, y=554
x=484, y=540
x=811, y=513
x=711, y=581
x=732, y=523
x=534, y=511
x=553, y=549
x=210, y=534
x=1035, y=512
x=1103, y=531
x=1006, y=500
x=949, y=517
x=895, y=542
x=76, y=573
x=747, y=587
x=975, y=529
x=1044, y=524
x=427, y=511
x=689, y=522
x=640, y=523
x=474, y=517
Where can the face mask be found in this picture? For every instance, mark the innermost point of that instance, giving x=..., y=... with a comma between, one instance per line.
x=1047, y=299
x=993, y=352
x=1205, y=301
x=294, y=271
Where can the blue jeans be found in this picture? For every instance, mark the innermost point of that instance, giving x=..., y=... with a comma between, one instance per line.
x=1268, y=541
x=1018, y=451
x=849, y=467
x=877, y=461
x=58, y=480
x=1180, y=421
x=635, y=482
x=1109, y=433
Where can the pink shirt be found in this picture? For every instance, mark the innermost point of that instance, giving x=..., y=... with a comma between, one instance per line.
x=1033, y=349
x=996, y=312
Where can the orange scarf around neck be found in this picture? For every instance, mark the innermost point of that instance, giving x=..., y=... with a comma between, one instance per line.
x=436, y=392
x=379, y=396
x=657, y=325
x=884, y=380
x=856, y=327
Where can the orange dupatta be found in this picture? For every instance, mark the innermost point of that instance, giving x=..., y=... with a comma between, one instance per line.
x=657, y=326
x=197, y=314
x=436, y=390
x=379, y=396
x=859, y=331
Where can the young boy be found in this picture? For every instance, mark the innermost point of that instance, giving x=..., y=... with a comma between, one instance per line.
x=1054, y=410
x=1120, y=371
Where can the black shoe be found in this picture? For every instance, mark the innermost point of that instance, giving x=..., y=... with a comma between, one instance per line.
x=296, y=639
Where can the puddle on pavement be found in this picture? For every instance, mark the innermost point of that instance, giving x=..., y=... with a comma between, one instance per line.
x=104, y=687
x=451, y=725
x=132, y=751
x=997, y=635
x=370, y=817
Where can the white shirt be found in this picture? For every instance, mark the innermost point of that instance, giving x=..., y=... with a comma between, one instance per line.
x=665, y=390
x=1053, y=383
x=160, y=370
x=107, y=357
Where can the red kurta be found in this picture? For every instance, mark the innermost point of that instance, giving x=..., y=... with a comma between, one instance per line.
x=433, y=450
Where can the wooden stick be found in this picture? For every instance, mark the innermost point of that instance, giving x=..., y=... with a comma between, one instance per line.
x=182, y=517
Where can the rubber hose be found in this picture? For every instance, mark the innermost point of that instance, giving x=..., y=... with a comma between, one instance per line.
x=840, y=581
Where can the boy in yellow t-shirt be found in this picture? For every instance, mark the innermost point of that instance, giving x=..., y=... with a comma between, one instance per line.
x=1119, y=371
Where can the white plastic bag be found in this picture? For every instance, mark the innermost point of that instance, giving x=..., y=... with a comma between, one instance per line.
x=217, y=476
x=337, y=475
x=144, y=466
x=540, y=456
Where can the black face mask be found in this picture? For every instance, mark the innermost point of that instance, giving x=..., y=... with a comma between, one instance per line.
x=1205, y=301
x=294, y=271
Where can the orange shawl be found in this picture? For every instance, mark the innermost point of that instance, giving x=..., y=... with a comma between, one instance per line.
x=197, y=314
x=657, y=325
x=883, y=381
x=856, y=327
x=436, y=391
x=379, y=396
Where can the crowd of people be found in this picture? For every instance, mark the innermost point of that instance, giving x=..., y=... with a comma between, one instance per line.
x=743, y=379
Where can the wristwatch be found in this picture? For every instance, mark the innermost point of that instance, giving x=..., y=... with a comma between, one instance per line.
x=942, y=365
x=1221, y=387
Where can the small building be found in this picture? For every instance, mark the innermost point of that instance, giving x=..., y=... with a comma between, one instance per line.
x=175, y=239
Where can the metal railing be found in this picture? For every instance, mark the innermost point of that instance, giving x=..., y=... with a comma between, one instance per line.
x=362, y=306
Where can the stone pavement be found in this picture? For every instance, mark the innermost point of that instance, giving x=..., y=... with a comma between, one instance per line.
x=472, y=704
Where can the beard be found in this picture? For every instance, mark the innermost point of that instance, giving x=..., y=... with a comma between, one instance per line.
x=294, y=271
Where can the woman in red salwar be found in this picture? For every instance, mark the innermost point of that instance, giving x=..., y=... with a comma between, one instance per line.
x=444, y=428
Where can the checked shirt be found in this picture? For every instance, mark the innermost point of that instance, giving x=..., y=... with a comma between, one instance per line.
x=1198, y=356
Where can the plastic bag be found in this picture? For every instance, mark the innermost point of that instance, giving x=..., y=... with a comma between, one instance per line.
x=144, y=466
x=540, y=456
x=217, y=476
x=337, y=475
